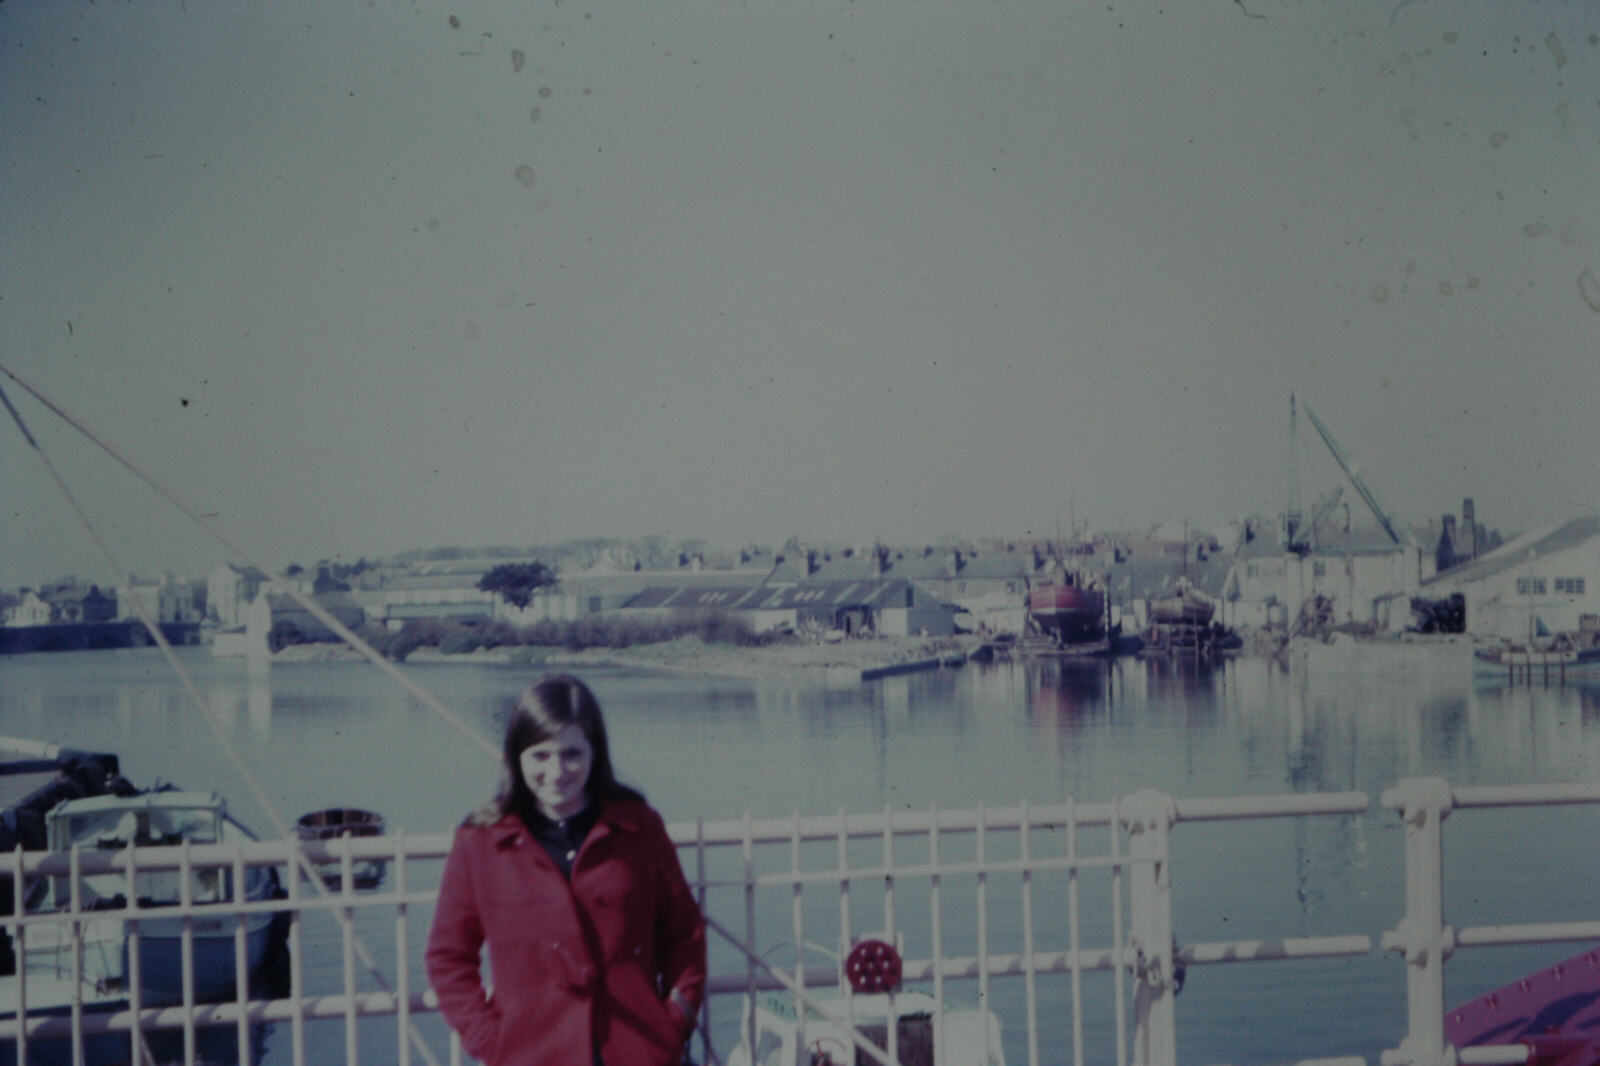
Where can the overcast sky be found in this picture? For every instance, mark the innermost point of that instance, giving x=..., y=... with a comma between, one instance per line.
x=353, y=279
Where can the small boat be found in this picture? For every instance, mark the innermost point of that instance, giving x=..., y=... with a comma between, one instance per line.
x=160, y=818
x=334, y=822
x=1069, y=609
x=1184, y=607
x=1559, y=661
x=1554, y=1014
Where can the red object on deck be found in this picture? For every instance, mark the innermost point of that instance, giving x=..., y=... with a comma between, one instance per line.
x=1555, y=1013
x=873, y=966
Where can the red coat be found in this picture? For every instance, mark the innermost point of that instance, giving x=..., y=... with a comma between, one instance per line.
x=574, y=965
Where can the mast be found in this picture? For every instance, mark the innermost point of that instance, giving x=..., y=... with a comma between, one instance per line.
x=1291, y=517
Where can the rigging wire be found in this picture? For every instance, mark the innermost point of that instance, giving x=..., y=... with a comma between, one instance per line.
x=299, y=862
x=316, y=610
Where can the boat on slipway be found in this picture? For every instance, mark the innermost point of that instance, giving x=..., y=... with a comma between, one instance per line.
x=1185, y=606
x=1070, y=608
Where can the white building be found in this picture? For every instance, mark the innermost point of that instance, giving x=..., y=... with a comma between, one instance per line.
x=1363, y=575
x=31, y=610
x=161, y=601
x=229, y=591
x=1543, y=582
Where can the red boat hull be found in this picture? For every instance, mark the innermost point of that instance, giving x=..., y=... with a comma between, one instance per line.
x=1066, y=611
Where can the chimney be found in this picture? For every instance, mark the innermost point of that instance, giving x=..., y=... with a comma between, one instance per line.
x=811, y=563
x=1469, y=530
x=952, y=564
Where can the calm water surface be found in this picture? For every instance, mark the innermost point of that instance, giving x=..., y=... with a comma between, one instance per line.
x=341, y=734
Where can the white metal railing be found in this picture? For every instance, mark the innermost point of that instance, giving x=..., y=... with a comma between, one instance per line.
x=1425, y=940
x=1058, y=916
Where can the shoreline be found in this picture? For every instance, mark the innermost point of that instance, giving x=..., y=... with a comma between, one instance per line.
x=687, y=655
x=837, y=661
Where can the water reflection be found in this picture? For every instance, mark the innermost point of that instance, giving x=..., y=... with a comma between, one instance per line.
x=1066, y=691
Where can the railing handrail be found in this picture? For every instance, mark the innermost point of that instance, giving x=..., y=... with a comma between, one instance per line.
x=1137, y=949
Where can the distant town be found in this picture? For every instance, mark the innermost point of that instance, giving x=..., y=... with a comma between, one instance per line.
x=1292, y=573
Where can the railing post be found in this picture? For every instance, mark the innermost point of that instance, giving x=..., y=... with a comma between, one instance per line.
x=1149, y=816
x=1422, y=935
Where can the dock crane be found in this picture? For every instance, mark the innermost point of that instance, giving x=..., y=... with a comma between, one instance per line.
x=1352, y=470
x=1298, y=534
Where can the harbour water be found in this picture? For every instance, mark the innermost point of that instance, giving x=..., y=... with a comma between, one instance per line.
x=326, y=734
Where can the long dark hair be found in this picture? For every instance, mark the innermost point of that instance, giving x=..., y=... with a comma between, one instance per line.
x=542, y=710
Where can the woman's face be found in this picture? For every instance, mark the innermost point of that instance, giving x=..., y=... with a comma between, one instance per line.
x=557, y=772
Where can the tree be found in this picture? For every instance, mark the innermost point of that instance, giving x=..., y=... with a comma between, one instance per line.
x=517, y=582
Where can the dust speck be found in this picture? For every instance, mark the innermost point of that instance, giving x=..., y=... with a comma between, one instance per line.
x=1380, y=293
x=433, y=223
x=1557, y=53
x=533, y=114
x=1411, y=266
x=517, y=59
x=1536, y=230
x=544, y=92
x=1498, y=138
x=1589, y=289
x=1446, y=289
x=1451, y=37
x=525, y=175
x=455, y=23
x=1473, y=282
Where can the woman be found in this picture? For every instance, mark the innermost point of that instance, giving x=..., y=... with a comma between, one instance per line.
x=596, y=947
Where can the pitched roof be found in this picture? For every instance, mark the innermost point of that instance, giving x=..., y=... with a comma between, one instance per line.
x=1547, y=541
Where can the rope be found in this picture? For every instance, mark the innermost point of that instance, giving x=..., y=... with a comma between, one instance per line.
x=316, y=610
x=299, y=863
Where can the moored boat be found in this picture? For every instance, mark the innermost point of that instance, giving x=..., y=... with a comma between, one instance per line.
x=1520, y=662
x=161, y=818
x=1554, y=1014
x=332, y=823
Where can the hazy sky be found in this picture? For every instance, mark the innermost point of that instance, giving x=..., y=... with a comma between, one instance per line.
x=359, y=278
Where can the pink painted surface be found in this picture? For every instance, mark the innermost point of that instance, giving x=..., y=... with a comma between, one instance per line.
x=1556, y=1012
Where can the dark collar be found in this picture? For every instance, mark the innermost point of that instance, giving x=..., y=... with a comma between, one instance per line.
x=622, y=815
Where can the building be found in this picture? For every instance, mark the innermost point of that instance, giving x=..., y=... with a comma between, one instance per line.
x=161, y=601
x=1541, y=583
x=229, y=591
x=29, y=610
x=274, y=611
x=1362, y=576
x=986, y=588
x=78, y=604
x=866, y=607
